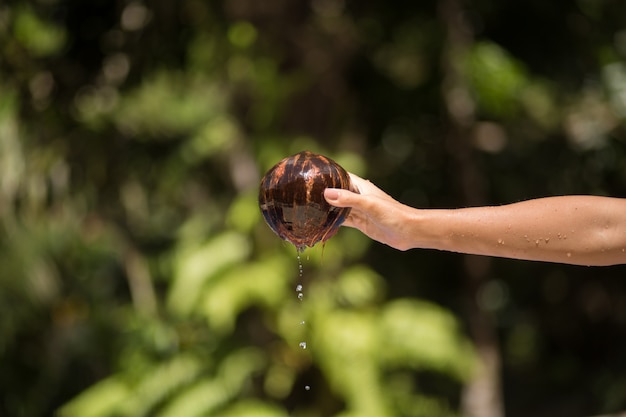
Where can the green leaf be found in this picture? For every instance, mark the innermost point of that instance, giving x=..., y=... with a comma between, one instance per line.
x=242, y=34
x=360, y=286
x=196, y=265
x=253, y=408
x=497, y=79
x=423, y=335
x=208, y=395
x=100, y=400
x=244, y=213
x=259, y=283
x=41, y=38
x=198, y=399
x=160, y=385
x=167, y=105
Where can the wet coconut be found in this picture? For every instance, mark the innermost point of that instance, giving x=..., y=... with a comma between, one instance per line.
x=291, y=198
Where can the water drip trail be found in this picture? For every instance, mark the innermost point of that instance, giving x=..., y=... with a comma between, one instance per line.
x=299, y=287
x=300, y=294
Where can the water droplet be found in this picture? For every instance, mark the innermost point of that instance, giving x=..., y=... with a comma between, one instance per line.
x=300, y=270
x=307, y=387
x=300, y=296
x=299, y=287
x=500, y=242
x=547, y=239
x=569, y=254
x=302, y=345
x=302, y=323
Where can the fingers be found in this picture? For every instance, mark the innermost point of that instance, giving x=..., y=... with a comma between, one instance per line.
x=341, y=198
x=373, y=212
x=365, y=191
x=366, y=187
x=355, y=179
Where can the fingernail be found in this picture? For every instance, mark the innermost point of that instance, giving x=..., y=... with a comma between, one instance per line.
x=331, y=193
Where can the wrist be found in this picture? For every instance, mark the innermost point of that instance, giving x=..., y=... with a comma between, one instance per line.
x=428, y=229
x=415, y=229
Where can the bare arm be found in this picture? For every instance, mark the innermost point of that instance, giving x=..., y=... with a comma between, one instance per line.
x=582, y=230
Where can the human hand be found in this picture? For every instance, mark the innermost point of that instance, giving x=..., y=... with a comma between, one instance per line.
x=531, y=230
x=374, y=212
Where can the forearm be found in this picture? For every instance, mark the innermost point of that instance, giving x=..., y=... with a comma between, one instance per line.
x=583, y=230
x=580, y=230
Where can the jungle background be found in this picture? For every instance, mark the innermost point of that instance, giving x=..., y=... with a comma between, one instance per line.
x=137, y=277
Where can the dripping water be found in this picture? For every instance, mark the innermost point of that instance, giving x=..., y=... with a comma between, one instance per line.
x=299, y=287
x=300, y=294
x=300, y=265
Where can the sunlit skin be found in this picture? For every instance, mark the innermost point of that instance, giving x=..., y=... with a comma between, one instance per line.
x=580, y=230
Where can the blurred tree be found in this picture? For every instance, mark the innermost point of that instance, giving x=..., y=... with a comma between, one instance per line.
x=137, y=277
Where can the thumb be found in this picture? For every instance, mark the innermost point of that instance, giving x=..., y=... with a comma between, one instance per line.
x=339, y=197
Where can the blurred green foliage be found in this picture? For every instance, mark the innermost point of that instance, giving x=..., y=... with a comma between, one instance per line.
x=38, y=36
x=138, y=279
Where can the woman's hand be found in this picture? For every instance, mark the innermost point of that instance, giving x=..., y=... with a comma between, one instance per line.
x=374, y=212
x=583, y=230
